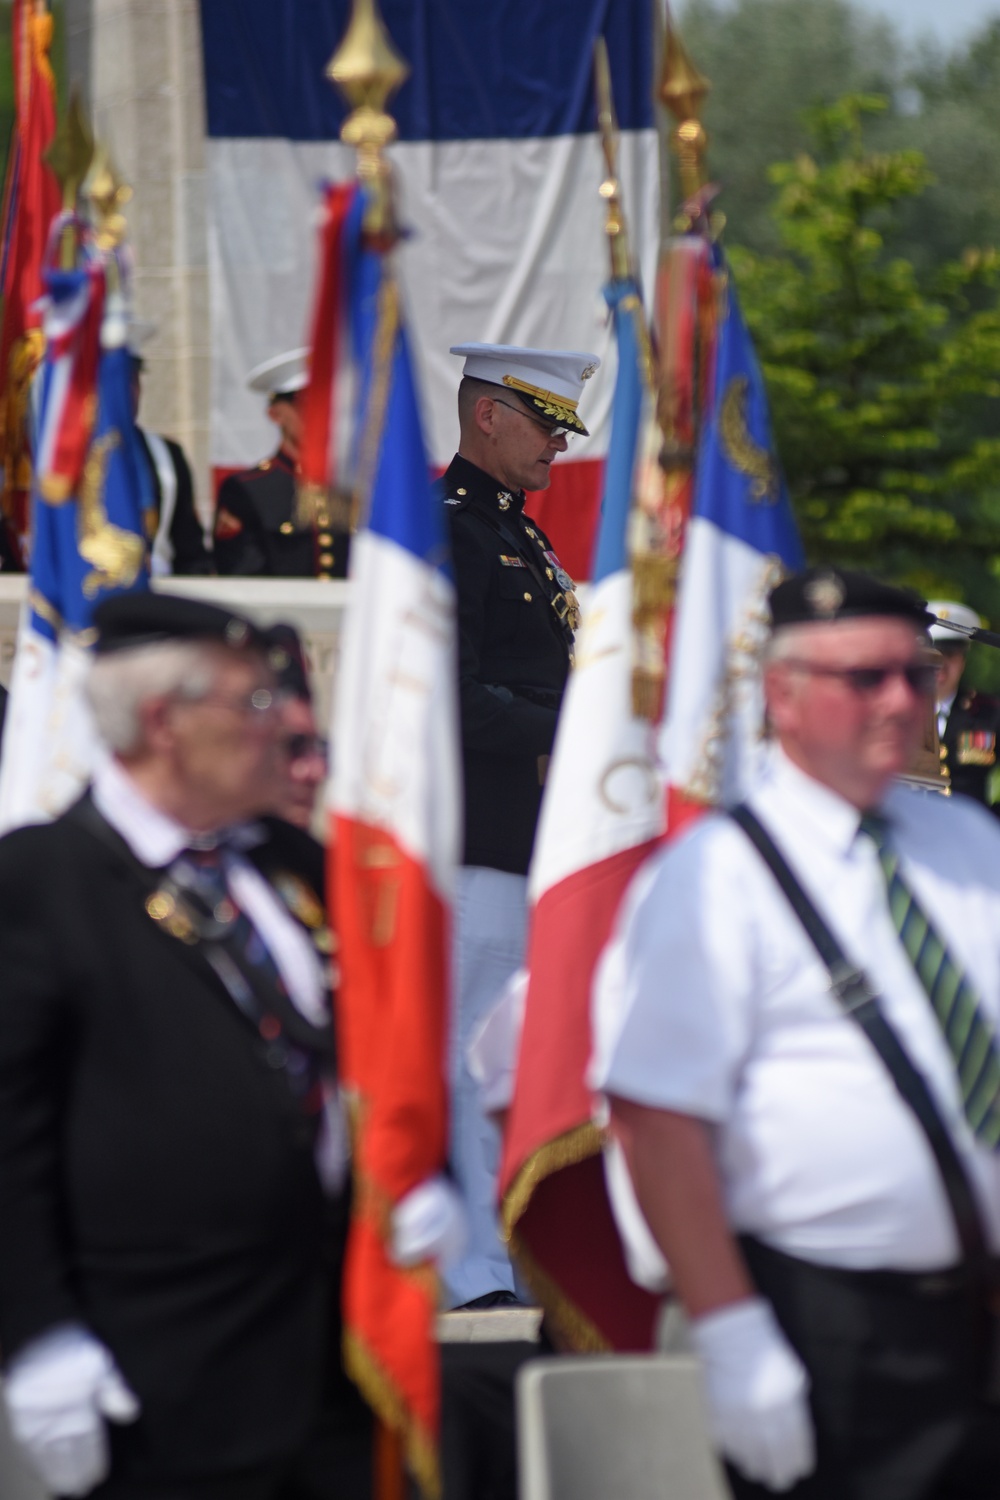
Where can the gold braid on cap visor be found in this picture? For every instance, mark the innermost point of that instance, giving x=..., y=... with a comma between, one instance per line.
x=559, y=407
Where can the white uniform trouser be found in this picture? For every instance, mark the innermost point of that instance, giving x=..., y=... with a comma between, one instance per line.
x=489, y=936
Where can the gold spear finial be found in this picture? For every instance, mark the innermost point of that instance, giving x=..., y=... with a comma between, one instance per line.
x=368, y=70
x=610, y=189
x=70, y=151
x=107, y=193
x=683, y=90
x=69, y=155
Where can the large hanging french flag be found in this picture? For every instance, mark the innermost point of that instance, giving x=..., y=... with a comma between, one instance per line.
x=499, y=161
x=395, y=846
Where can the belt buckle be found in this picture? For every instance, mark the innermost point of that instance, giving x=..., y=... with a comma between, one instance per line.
x=845, y=978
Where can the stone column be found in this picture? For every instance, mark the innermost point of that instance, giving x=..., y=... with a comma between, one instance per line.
x=139, y=66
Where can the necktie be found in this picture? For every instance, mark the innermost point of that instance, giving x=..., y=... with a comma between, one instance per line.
x=971, y=1037
x=244, y=964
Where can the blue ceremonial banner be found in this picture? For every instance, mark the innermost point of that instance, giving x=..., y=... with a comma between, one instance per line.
x=739, y=485
x=610, y=553
x=92, y=543
x=89, y=540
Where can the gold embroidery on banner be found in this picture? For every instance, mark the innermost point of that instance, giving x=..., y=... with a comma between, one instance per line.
x=44, y=610
x=571, y=1329
x=566, y=1150
x=380, y=857
x=384, y=1397
x=746, y=456
x=741, y=666
x=116, y=555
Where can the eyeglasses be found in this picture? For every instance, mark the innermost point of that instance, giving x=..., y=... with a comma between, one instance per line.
x=256, y=703
x=550, y=432
x=299, y=746
x=920, y=676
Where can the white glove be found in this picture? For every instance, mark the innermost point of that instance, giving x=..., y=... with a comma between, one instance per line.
x=429, y=1224
x=755, y=1386
x=59, y=1390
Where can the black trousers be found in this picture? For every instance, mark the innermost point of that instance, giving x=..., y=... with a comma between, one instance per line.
x=250, y=1484
x=897, y=1366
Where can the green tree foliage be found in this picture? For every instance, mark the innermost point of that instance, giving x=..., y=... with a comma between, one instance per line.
x=884, y=382
x=770, y=61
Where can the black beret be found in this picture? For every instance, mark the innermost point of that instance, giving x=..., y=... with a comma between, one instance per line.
x=828, y=593
x=287, y=660
x=143, y=618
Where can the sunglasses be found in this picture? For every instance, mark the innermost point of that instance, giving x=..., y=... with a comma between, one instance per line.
x=550, y=432
x=920, y=676
x=298, y=746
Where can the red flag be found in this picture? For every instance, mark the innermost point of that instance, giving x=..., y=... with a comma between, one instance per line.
x=31, y=200
x=324, y=400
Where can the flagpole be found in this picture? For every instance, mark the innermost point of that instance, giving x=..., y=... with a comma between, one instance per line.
x=367, y=70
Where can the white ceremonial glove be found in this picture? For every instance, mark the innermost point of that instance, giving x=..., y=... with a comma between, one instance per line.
x=429, y=1224
x=59, y=1390
x=755, y=1386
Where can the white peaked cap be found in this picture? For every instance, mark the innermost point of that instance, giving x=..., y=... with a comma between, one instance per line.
x=950, y=609
x=282, y=375
x=549, y=380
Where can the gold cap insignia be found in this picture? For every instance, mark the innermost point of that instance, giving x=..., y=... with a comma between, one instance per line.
x=825, y=595
x=237, y=633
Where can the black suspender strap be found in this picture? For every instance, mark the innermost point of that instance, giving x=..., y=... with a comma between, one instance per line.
x=858, y=1000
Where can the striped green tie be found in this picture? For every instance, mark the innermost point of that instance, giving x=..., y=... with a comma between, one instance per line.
x=970, y=1036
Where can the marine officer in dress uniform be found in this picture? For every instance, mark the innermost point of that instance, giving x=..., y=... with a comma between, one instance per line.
x=517, y=612
x=166, y=1123
x=968, y=722
x=777, y=1107
x=257, y=531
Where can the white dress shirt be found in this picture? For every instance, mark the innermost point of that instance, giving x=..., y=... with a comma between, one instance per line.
x=943, y=710
x=714, y=1003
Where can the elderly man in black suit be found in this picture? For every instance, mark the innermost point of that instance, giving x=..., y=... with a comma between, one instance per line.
x=165, y=1119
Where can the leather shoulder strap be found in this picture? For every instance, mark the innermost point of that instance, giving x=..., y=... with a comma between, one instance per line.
x=859, y=1001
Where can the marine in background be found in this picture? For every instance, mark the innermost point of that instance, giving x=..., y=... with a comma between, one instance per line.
x=177, y=543
x=517, y=614
x=257, y=531
x=968, y=721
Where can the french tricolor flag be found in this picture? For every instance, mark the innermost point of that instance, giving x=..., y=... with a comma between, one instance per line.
x=499, y=162
x=603, y=813
x=618, y=785
x=395, y=805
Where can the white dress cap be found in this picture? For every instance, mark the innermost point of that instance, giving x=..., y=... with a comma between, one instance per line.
x=950, y=609
x=282, y=375
x=548, y=380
